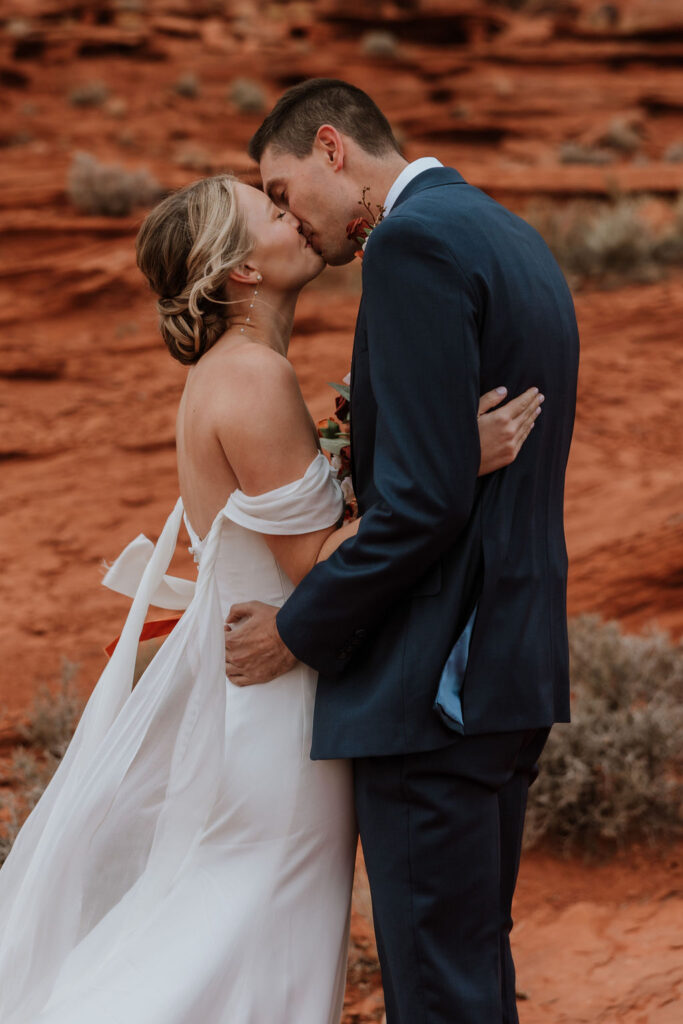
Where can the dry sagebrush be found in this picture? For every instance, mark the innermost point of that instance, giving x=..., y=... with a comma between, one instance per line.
x=48, y=728
x=107, y=190
x=609, y=243
x=614, y=774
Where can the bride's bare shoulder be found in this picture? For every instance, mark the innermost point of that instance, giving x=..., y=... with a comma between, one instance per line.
x=245, y=372
x=251, y=400
x=249, y=394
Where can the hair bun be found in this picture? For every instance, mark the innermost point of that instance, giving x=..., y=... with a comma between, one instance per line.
x=186, y=248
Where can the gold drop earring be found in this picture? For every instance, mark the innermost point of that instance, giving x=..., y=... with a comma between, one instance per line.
x=251, y=304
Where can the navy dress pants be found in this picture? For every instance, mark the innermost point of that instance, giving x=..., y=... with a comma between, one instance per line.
x=441, y=834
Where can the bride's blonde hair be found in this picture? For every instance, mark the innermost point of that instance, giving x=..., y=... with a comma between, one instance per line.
x=186, y=248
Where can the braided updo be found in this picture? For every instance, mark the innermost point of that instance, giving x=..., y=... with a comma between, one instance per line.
x=186, y=248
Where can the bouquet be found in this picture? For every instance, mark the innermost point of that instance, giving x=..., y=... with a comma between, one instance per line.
x=335, y=440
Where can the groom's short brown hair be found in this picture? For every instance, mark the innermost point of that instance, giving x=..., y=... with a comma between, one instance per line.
x=294, y=121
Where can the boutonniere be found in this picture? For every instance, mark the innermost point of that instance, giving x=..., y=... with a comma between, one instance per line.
x=360, y=229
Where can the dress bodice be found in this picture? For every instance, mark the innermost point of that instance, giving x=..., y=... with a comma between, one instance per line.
x=244, y=568
x=234, y=551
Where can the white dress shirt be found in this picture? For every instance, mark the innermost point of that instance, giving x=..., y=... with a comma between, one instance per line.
x=425, y=163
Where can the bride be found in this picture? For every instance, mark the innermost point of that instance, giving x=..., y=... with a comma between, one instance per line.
x=188, y=862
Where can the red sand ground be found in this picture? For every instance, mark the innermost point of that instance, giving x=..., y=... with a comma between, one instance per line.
x=88, y=394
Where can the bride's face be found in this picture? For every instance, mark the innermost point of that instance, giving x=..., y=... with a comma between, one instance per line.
x=281, y=253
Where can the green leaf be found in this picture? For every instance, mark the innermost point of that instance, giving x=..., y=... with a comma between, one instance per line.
x=331, y=430
x=343, y=389
x=334, y=445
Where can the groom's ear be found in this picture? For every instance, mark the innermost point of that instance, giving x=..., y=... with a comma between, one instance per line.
x=330, y=145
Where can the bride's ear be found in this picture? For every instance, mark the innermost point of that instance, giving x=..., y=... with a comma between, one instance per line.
x=245, y=273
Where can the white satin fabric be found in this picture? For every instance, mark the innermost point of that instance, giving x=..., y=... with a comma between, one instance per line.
x=188, y=863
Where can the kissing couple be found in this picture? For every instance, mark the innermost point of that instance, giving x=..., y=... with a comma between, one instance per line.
x=191, y=861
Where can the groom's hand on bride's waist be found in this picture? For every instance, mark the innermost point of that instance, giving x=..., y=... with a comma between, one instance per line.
x=254, y=651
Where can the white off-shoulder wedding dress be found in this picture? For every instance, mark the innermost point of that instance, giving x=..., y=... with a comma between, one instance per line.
x=189, y=863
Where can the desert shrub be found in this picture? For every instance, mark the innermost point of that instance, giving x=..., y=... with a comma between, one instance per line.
x=194, y=158
x=249, y=97
x=187, y=85
x=89, y=94
x=48, y=728
x=379, y=44
x=621, y=135
x=116, y=107
x=614, y=774
x=107, y=189
x=53, y=715
x=608, y=242
x=674, y=153
x=18, y=28
x=575, y=153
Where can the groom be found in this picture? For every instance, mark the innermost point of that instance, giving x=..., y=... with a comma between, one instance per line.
x=446, y=569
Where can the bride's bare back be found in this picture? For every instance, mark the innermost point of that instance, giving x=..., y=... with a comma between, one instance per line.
x=242, y=423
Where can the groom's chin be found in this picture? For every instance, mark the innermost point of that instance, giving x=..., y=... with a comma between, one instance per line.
x=338, y=259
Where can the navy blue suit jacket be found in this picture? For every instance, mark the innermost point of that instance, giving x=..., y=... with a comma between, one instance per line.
x=459, y=296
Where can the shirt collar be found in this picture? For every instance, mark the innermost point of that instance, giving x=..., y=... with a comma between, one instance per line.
x=425, y=163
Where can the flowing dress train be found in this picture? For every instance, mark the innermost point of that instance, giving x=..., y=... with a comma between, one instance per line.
x=188, y=862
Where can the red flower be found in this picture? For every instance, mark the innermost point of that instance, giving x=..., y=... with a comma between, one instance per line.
x=358, y=230
x=342, y=408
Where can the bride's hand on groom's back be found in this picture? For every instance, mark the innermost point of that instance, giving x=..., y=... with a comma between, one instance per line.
x=502, y=432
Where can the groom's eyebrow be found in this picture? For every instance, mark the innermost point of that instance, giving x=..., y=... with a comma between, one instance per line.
x=273, y=186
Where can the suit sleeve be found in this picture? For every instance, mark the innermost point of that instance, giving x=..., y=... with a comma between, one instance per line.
x=423, y=355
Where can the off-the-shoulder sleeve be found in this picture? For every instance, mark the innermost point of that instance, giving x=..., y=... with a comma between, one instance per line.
x=311, y=503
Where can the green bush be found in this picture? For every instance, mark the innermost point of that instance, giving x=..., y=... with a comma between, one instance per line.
x=614, y=774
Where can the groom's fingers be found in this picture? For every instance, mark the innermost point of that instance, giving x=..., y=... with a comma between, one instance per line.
x=531, y=413
x=524, y=411
x=240, y=611
x=526, y=422
x=491, y=399
x=524, y=405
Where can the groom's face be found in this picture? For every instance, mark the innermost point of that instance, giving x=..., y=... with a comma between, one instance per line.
x=310, y=189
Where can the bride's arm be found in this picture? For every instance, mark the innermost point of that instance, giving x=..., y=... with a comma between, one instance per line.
x=502, y=433
x=337, y=537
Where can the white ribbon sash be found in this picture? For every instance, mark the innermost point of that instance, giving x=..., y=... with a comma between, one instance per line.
x=125, y=574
